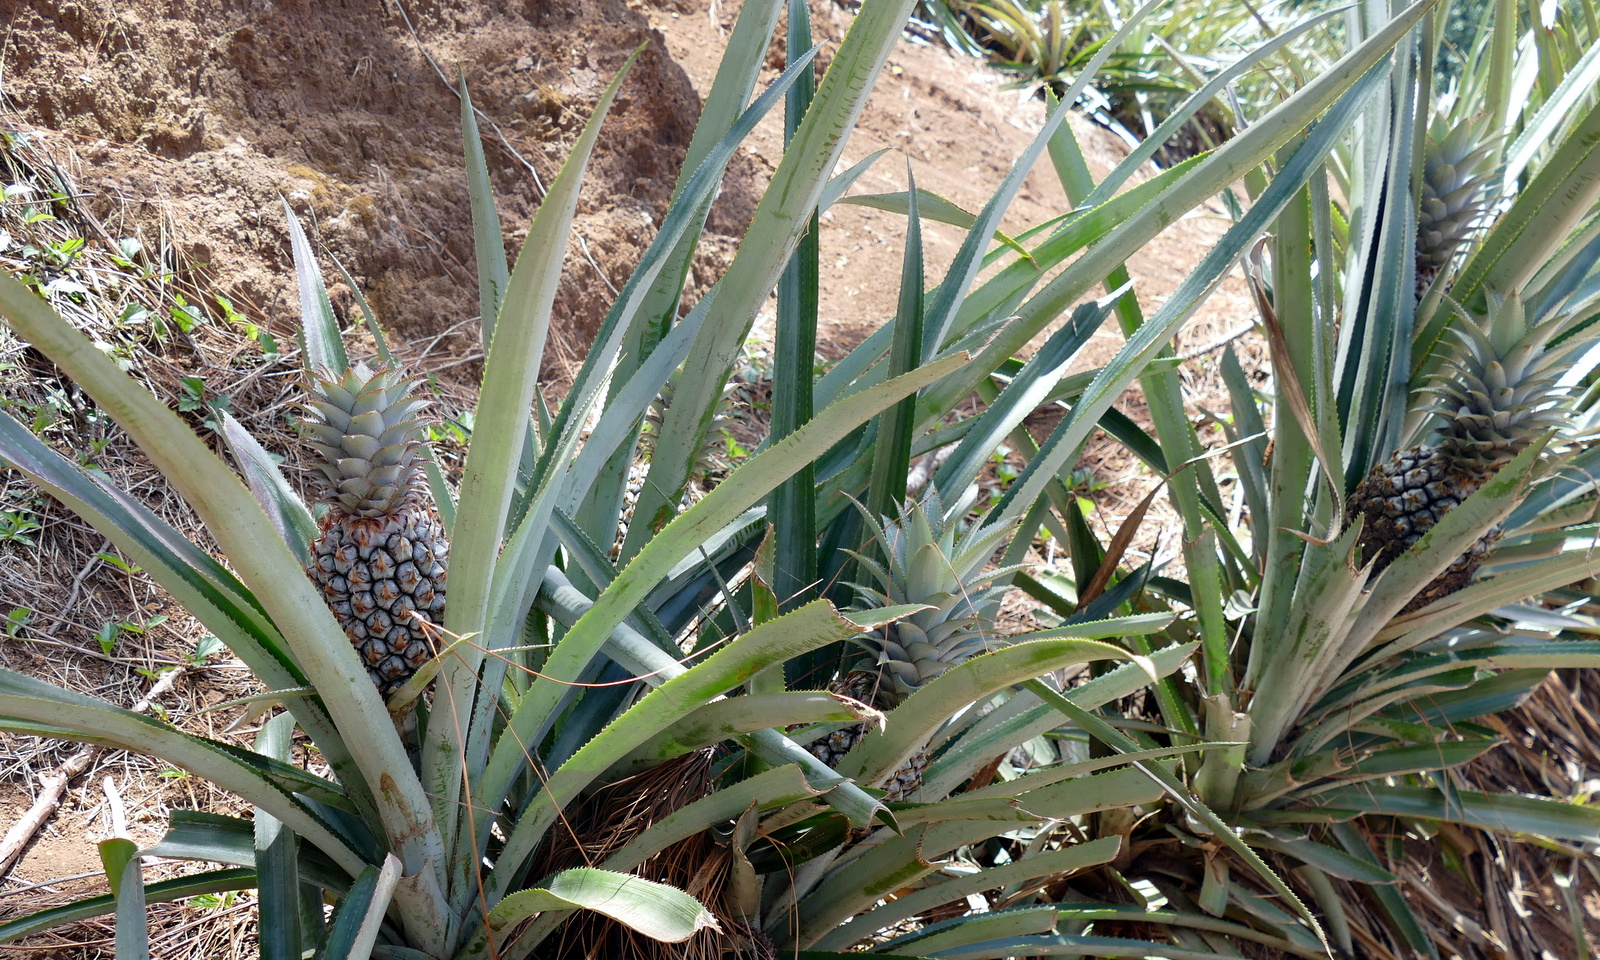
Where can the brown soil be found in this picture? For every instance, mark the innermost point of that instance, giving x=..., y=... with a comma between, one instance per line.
x=206, y=113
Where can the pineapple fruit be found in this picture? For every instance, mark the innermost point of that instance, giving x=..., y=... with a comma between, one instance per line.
x=1494, y=395
x=1457, y=166
x=925, y=560
x=380, y=561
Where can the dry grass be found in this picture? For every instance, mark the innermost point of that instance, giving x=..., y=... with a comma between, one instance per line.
x=1521, y=898
x=611, y=818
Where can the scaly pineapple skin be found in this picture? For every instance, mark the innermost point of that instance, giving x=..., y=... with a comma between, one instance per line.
x=1403, y=497
x=866, y=686
x=378, y=576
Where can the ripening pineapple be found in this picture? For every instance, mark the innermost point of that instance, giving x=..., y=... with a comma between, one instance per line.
x=380, y=561
x=925, y=561
x=1457, y=166
x=1496, y=393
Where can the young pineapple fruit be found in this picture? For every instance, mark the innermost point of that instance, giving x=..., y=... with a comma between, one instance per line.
x=1457, y=166
x=925, y=560
x=1495, y=394
x=380, y=561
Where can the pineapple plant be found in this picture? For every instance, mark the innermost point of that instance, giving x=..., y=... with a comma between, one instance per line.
x=380, y=560
x=1457, y=167
x=925, y=559
x=1495, y=394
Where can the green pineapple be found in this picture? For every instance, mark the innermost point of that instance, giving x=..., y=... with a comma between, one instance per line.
x=1457, y=166
x=380, y=561
x=926, y=560
x=1495, y=394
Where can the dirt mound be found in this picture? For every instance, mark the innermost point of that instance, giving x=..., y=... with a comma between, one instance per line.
x=198, y=115
x=205, y=112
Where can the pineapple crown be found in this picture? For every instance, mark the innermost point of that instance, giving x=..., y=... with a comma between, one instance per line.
x=1457, y=167
x=711, y=456
x=1497, y=390
x=927, y=559
x=366, y=430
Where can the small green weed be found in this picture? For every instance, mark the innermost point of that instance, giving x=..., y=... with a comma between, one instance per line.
x=192, y=399
x=17, y=621
x=111, y=631
x=204, y=648
x=15, y=527
x=263, y=339
x=213, y=901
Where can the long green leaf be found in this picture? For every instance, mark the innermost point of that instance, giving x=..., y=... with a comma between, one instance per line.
x=121, y=859
x=1152, y=337
x=650, y=319
x=490, y=473
x=940, y=938
x=277, y=859
x=1025, y=717
x=1504, y=813
x=779, y=221
x=355, y=924
x=1024, y=394
x=793, y=503
x=195, y=835
x=900, y=861
x=1230, y=162
x=882, y=751
x=287, y=512
x=891, y=454
x=778, y=787
x=205, y=587
x=1062, y=862
x=654, y=909
x=83, y=718
x=320, y=329
x=162, y=891
x=494, y=275
x=1546, y=210
x=726, y=719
